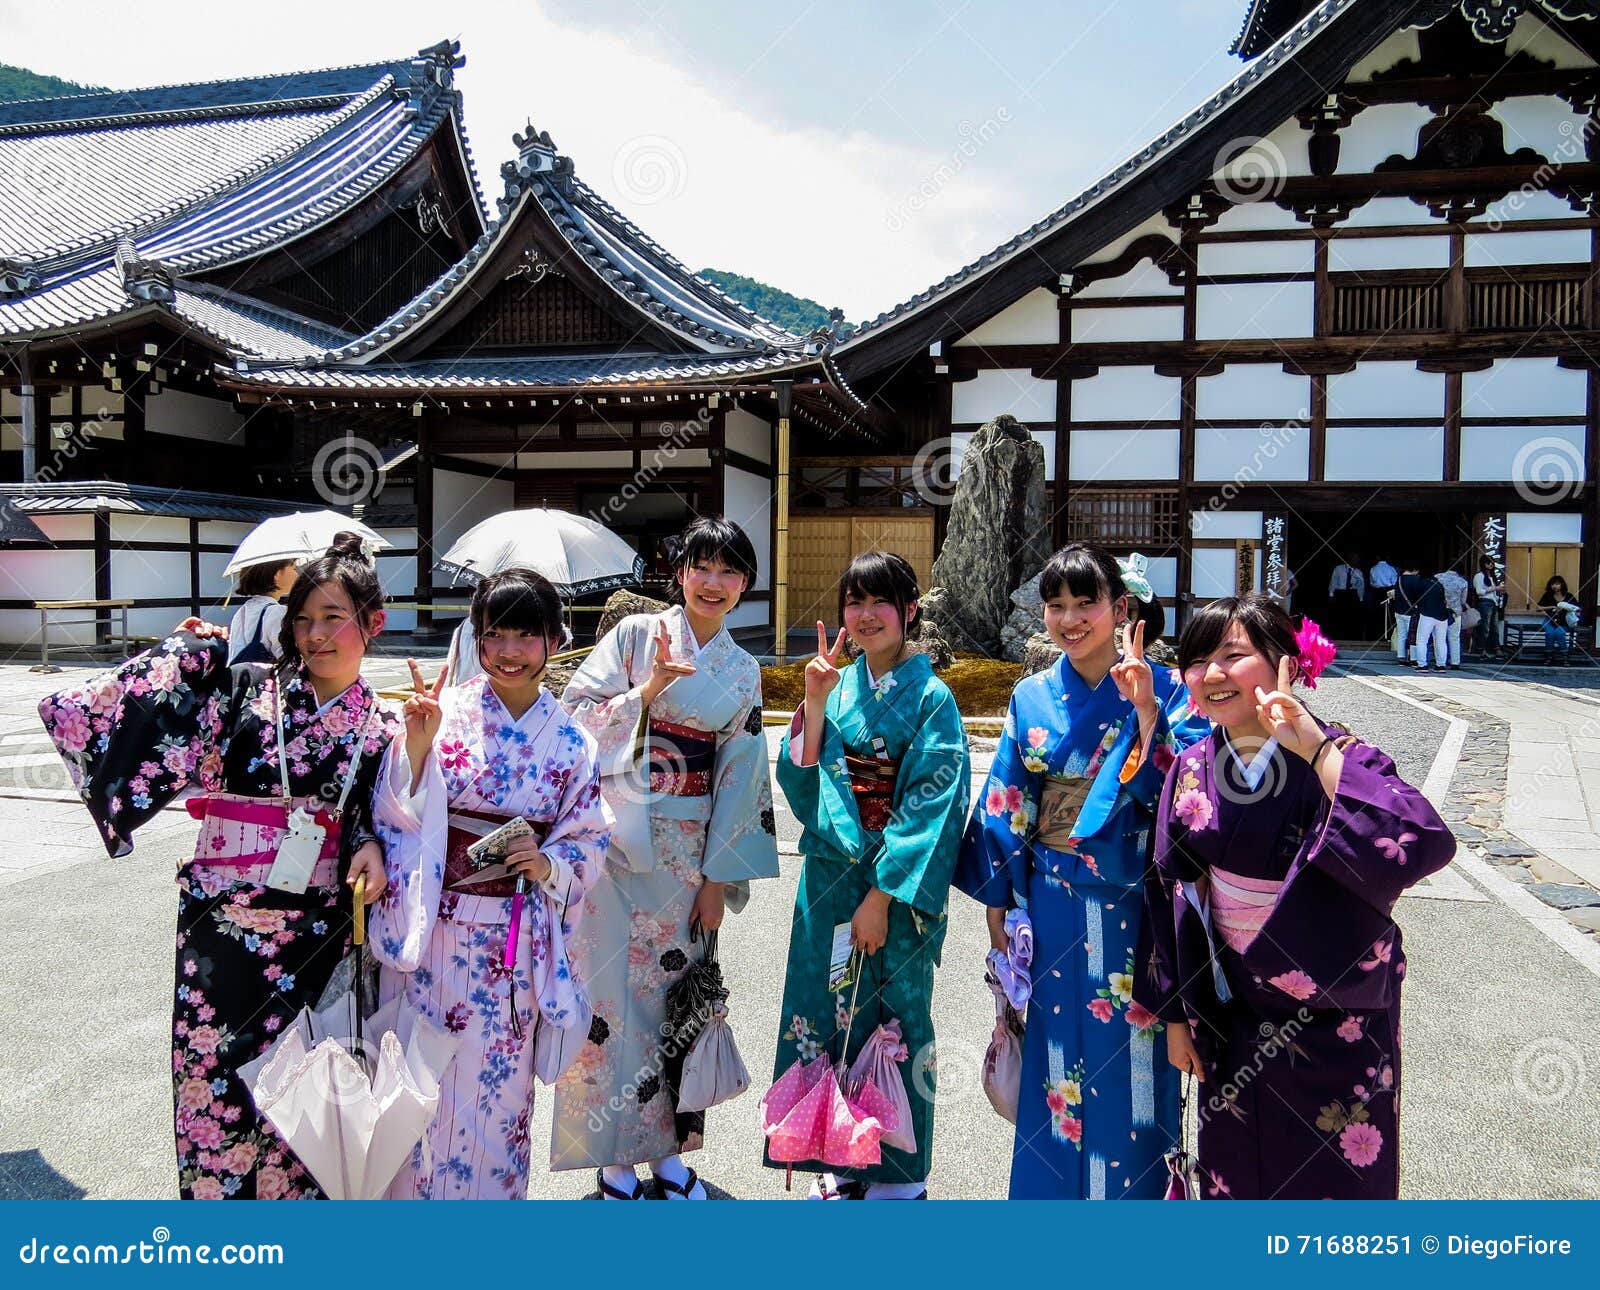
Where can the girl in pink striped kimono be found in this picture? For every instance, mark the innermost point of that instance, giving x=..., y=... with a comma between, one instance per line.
x=476, y=756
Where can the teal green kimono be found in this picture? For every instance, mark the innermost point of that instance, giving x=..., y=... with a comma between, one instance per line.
x=910, y=718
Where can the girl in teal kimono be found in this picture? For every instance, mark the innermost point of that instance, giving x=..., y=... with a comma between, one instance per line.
x=876, y=769
x=1062, y=834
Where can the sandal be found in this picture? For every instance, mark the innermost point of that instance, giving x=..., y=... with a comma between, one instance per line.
x=669, y=1190
x=608, y=1192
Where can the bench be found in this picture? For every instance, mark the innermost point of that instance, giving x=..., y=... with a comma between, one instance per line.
x=48, y=607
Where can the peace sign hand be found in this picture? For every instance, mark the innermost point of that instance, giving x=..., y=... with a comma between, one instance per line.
x=422, y=711
x=1284, y=717
x=1135, y=681
x=822, y=672
x=664, y=669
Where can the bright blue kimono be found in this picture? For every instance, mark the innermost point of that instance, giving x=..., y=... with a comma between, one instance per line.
x=1099, y=1101
x=911, y=719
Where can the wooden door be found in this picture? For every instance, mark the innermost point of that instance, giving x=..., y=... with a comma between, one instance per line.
x=822, y=543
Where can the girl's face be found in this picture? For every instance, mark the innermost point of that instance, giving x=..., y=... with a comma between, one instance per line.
x=514, y=660
x=710, y=588
x=328, y=633
x=1557, y=585
x=1082, y=626
x=874, y=625
x=1223, y=686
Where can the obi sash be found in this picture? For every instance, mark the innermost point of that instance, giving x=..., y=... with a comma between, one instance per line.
x=465, y=827
x=680, y=759
x=1240, y=906
x=238, y=832
x=1060, y=802
x=872, y=781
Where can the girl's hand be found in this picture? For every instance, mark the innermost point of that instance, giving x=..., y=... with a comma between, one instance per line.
x=368, y=860
x=1181, y=1051
x=524, y=859
x=708, y=906
x=202, y=629
x=422, y=711
x=822, y=672
x=1135, y=682
x=1285, y=718
x=996, y=918
x=664, y=669
x=869, y=929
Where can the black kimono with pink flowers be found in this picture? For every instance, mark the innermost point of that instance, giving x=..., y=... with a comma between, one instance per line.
x=248, y=957
x=1270, y=909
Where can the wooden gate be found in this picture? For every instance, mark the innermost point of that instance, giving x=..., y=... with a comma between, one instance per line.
x=821, y=543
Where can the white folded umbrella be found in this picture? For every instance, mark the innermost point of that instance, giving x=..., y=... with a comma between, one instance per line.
x=351, y=1121
x=301, y=536
x=577, y=554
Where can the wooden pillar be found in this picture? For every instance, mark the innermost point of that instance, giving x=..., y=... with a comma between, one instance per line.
x=780, y=555
x=425, y=556
x=194, y=567
x=102, y=573
x=32, y=457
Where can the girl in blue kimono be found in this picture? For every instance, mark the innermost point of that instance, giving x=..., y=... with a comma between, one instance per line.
x=1062, y=834
x=876, y=769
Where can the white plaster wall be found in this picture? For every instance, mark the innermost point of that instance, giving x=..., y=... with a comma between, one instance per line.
x=1100, y=325
x=1255, y=217
x=1378, y=133
x=1144, y=279
x=1386, y=212
x=1254, y=310
x=1547, y=456
x=1253, y=455
x=1537, y=37
x=1544, y=526
x=1031, y=320
x=1524, y=387
x=460, y=501
x=1255, y=390
x=1256, y=257
x=1385, y=390
x=1543, y=122
x=1127, y=394
x=1396, y=48
x=189, y=416
x=1360, y=254
x=1124, y=454
x=747, y=501
x=1553, y=246
x=997, y=390
x=48, y=575
x=1226, y=524
x=1384, y=453
x=749, y=434
x=1213, y=572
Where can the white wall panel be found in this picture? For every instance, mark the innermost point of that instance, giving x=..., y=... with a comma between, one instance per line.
x=1360, y=254
x=1543, y=122
x=1378, y=133
x=1385, y=390
x=1256, y=390
x=747, y=433
x=1544, y=526
x=1226, y=524
x=190, y=416
x=1384, y=452
x=1238, y=311
x=1126, y=394
x=1524, y=387
x=1555, y=246
x=1124, y=454
x=997, y=390
x=1256, y=257
x=1029, y=321
x=747, y=501
x=1547, y=456
x=1100, y=325
x=1248, y=455
x=1400, y=46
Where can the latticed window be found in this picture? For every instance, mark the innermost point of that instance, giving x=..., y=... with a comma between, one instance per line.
x=1526, y=298
x=1534, y=297
x=876, y=483
x=1145, y=518
x=1364, y=304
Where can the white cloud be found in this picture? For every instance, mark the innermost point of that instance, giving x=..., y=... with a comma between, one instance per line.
x=850, y=219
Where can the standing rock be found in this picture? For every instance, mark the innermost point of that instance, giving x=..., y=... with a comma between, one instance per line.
x=997, y=538
x=622, y=603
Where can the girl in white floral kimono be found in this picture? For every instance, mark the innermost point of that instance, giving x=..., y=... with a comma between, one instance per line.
x=692, y=803
x=475, y=757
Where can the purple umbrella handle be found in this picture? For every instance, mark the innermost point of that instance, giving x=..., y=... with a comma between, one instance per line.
x=517, y=899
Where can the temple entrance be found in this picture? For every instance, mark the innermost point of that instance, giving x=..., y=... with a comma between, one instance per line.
x=1431, y=540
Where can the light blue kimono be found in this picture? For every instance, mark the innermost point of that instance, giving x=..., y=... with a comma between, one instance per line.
x=1098, y=1107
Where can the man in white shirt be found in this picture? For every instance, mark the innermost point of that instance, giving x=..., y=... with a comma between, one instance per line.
x=1381, y=580
x=1489, y=586
x=1347, y=592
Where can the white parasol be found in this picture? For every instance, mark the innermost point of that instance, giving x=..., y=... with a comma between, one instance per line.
x=301, y=536
x=577, y=554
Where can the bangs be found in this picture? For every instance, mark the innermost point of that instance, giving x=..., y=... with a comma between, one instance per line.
x=1082, y=572
x=717, y=540
x=518, y=600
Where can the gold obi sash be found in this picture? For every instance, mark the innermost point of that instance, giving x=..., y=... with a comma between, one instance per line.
x=1060, y=802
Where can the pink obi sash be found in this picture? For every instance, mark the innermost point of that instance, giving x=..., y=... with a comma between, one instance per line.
x=239, y=832
x=1240, y=906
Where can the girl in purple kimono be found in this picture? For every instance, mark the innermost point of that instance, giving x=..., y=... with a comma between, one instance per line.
x=1282, y=845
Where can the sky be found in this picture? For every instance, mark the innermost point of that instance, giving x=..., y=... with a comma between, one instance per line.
x=853, y=152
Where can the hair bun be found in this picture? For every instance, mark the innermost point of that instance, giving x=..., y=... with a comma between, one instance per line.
x=347, y=545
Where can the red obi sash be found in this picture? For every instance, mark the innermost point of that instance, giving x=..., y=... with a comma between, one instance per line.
x=872, y=781
x=680, y=759
x=462, y=830
x=238, y=832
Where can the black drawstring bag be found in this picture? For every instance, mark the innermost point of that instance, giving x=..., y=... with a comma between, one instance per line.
x=690, y=1000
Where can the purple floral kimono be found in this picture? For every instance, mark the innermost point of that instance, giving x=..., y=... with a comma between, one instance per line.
x=248, y=957
x=1271, y=913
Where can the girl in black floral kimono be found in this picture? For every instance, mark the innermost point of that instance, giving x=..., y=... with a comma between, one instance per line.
x=249, y=955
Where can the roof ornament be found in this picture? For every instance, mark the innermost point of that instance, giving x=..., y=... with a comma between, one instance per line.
x=146, y=280
x=536, y=155
x=438, y=65
x=16, y=279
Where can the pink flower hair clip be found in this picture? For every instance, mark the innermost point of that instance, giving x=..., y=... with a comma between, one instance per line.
x=1316, y=652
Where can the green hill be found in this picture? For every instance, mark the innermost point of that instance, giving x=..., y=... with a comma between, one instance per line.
x=797, y=313
x=20, y=83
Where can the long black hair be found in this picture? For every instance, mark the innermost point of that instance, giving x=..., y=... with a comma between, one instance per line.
x=1093, y=572
x=712, y=537
x=346, y=563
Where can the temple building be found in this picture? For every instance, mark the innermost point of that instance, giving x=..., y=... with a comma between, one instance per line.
x=1346, y=308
